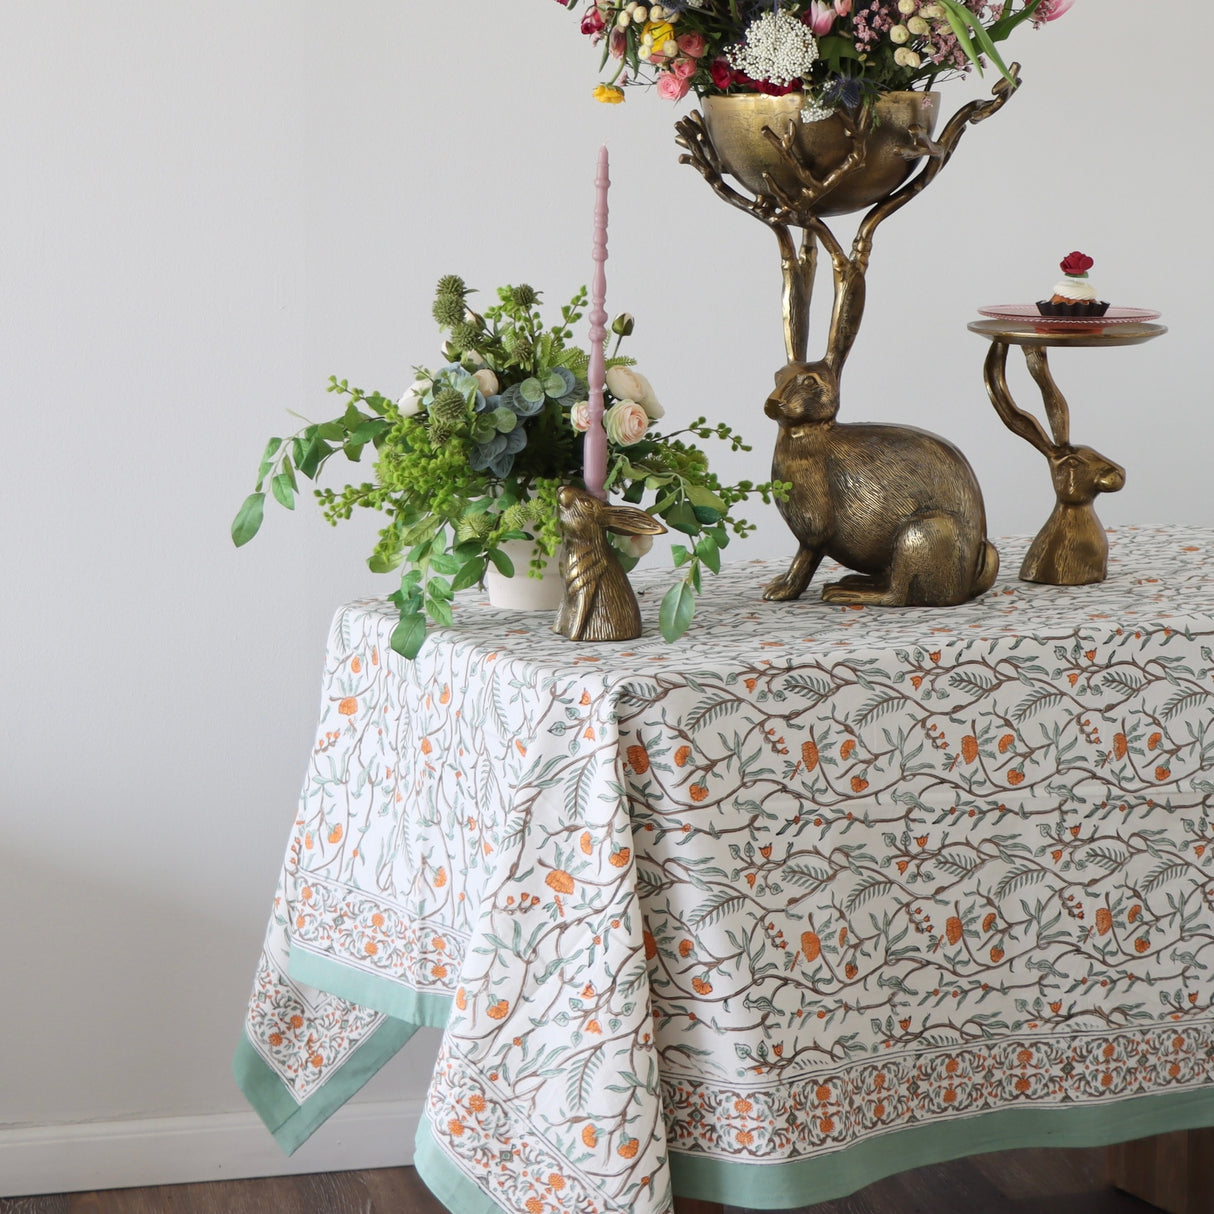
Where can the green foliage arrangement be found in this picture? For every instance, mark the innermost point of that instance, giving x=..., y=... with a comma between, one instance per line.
x=472, y=455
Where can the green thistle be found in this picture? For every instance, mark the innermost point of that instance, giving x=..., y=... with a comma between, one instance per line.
x=466, y=335
x=447, y=413
x=449, y=310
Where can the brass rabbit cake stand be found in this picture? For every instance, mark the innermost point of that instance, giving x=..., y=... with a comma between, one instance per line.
x=1072, y=548
x=912, y=537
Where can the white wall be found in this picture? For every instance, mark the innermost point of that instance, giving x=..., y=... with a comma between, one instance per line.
x=207, y=209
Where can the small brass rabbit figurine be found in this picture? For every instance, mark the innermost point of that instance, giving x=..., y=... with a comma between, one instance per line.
x=897, y=504
x=599, y=604
x=1072, y=549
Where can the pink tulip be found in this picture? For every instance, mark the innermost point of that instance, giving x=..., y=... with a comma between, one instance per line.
x=671, y=88
x=1055, y=8
x=842, y=7
x=820, y=18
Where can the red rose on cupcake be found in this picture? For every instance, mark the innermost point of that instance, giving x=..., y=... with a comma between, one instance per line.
x=1076, y=263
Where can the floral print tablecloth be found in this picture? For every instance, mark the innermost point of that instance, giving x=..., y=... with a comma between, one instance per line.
x=812, y=895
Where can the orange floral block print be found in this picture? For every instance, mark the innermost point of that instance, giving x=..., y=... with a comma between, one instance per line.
x=807, y=886
x=560, y=881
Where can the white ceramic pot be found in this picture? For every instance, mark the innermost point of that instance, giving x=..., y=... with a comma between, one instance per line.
x=522, y=592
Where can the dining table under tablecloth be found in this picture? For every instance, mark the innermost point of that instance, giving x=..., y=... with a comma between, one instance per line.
x=810, y=896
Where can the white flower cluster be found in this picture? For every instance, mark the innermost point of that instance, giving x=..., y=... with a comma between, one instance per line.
x=775, y=47
x=814, y=111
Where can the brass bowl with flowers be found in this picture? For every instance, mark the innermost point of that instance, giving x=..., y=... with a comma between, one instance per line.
x=735, y=126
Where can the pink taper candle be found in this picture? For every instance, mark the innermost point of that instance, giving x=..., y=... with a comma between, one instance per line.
x=594, y=458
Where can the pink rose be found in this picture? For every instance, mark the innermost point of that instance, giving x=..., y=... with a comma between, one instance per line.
x=625, y=423
x=671, y=88
x=685, y=68
x=579, y=417
x=693, y=45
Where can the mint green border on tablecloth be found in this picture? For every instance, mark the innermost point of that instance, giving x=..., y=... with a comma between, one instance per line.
x=784, y=1186
x=293, y=1123
x=378, y=992
x=781, y=1186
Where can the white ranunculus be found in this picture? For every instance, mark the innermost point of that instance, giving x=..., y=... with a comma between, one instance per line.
x=486, y=381
x=633, y=545
x=411, y=402
x=625, y=422
x=579, y=416
x=627, y=383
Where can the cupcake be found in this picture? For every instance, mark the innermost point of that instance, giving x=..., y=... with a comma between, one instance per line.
x=1074, y=295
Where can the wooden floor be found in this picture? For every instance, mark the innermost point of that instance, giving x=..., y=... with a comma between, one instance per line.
x=1010, y=1182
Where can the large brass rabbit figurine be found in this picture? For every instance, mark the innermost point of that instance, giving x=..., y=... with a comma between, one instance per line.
x=897, y=504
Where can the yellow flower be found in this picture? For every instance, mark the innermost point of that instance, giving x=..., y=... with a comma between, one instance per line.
x=609, y=94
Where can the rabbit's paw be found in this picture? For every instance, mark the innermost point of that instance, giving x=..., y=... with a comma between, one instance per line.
x=859, y=591
x=787, y=586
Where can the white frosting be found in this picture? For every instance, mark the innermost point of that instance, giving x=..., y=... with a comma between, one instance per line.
x=1078, y=289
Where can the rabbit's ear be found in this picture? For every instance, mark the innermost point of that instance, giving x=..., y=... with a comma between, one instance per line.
x=628, y=520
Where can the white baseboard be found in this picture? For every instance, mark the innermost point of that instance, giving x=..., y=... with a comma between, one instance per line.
x=180, y=1150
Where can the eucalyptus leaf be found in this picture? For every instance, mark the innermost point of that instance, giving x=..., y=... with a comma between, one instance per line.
x=283, y=494
x=532, y=391
x=678, y=606
x=503, y=564
x=408, y=635
x=267, y=459
x=682, y=517
x=248, y=519
x=701, y=495
x=383, y=562
x=470, y=574
x=314, y=456
x=369, y=430
x=709, y=553
x=439, y=611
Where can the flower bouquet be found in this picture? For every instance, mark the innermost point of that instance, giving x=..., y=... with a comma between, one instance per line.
x=838, y=53
x=474, y=453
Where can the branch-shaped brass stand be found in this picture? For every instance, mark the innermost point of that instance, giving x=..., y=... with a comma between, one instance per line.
x=783, y=209
x=898, y=505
